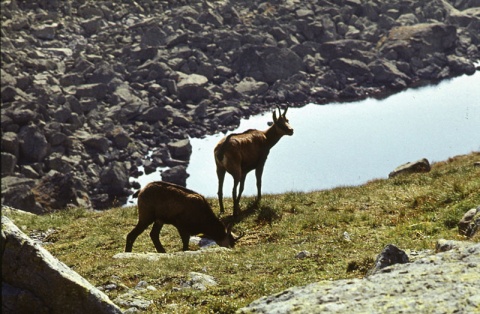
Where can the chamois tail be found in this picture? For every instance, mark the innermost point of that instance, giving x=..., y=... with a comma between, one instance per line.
x=221, y=150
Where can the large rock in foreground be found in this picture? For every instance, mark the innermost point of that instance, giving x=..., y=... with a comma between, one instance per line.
x=33, y=281
x=443, y=283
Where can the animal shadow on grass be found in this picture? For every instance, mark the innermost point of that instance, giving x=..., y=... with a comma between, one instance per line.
x=265, y=214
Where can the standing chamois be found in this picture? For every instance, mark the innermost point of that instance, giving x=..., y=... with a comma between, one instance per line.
x=238, y=154
x=166, y=203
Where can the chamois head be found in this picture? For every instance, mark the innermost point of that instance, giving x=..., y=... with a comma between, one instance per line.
x=281, y=123
x=230, y=238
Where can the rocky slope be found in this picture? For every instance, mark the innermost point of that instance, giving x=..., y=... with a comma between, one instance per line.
x=90, y=87
x=441, y=283
x=400, y=281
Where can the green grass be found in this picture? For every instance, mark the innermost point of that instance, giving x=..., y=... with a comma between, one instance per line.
x=410, y=211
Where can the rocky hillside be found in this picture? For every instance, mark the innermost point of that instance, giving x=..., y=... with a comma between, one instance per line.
x=89, y=87
x=440, y=283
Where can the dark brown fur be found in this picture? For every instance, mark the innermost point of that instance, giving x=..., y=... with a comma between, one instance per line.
x=166, y=203
x=238, y=154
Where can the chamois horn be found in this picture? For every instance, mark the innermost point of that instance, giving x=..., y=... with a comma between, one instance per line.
x=279, y=112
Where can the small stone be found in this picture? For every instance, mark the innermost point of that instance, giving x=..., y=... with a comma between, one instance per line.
x=141, y=285
x=303, y=254
x=421, y=165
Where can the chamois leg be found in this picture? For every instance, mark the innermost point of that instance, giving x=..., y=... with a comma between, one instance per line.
x=258, y=174
x=237, y=177
x=155, y=236
x=242, y=185
x=132, y=236
x=236, y=201
x=185, y=239
x=221, y=178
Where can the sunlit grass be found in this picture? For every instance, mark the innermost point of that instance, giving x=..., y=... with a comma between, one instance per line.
x=410, y=211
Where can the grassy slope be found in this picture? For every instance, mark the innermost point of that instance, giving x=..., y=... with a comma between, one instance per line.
x=411, y=211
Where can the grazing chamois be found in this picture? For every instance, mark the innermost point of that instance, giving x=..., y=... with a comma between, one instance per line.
x=166, y=203
x=238, y=154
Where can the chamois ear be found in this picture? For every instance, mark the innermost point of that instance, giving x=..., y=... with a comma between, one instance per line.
x=274, y=116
